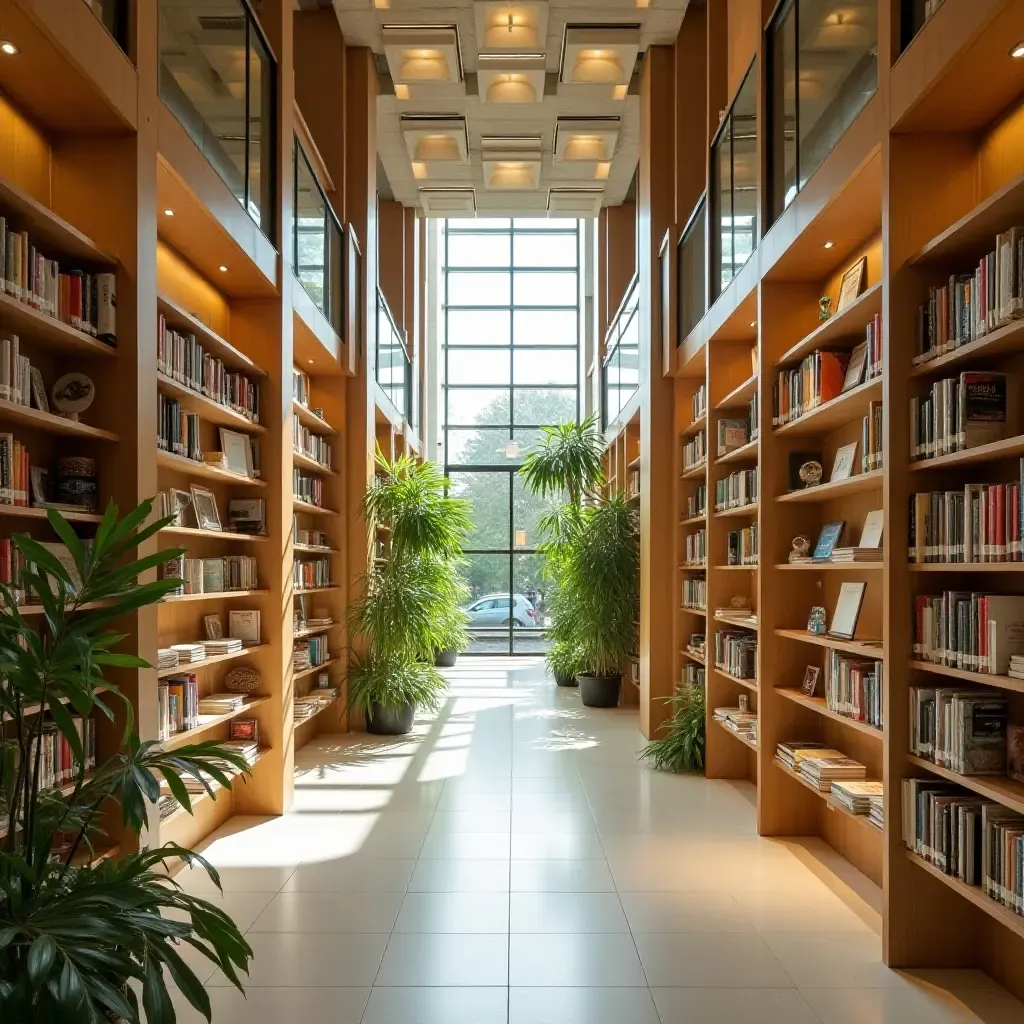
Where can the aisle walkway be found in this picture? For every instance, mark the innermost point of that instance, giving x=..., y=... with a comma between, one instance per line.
x=513, y=863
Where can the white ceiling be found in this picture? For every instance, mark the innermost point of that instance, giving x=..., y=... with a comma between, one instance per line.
x=361, y=23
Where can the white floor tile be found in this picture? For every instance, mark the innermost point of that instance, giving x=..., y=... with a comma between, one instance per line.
x=556, y=846
x=455, y=875
x=356, y=874
x=718, y=961
x=911, y=1003
x=454, y=912
x=561, y=876
x=317, y=912
x=734, y=1006
x=833, y=960
x=597, y=1005
x=447, y=960
x=466, y=845
x=578, y=961
x=274, y=1005
x=566, y=912
x=463, y=1005
x=681, y=912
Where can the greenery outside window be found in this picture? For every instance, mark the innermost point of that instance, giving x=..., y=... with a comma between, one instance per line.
x=219, y=80
x=734, y=186
x=317, y=242
x=823, y=69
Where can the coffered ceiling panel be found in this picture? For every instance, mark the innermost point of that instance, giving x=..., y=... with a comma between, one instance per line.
x=535, y=101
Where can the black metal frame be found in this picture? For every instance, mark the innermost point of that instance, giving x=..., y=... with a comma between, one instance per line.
x=451, y=227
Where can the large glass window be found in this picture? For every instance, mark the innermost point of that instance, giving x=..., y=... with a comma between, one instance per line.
x=692, y=270
x=621, y=369
x=317, y=239
x=218, y=79
x=393, y=372
x=823, y=70
x=734, y=190
x=511, y=326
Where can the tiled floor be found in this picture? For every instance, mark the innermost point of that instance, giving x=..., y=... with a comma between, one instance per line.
x=512, y=863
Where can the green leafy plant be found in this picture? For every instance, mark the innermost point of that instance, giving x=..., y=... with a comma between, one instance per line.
x=85, y=941
x=681, y=749
x=410, y=606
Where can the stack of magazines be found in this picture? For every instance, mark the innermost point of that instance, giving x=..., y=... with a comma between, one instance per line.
x=828, y=766
x=166, y=657
x=221, y=703
x=856, y=796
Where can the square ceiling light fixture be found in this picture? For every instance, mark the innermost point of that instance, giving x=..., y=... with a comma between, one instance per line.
x=423, y=54
x=434, y=141
x=575, y=202
x=511, y=163
x=599, y=55
x=586, y=140
x=510, y=77
x=447, y=202
x=511, y=26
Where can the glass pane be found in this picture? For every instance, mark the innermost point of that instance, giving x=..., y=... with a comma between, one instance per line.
x=547, y=366
x=467, y=288
x=529, y=635
x=310, y=232
x=469, y=406
x=527, y=511
x=481, y=366
x=481, y=446
x=722, y=170
x=527, y=438
x=693, y=273
x=546, y=250
x=478, y=224
x=478, y=250
x=478, y=327
x=545, y=223
x=837, y=72
x=538, y=289
x=544, y=406
x=488, y=577
x=744, y=170
x=783, y=110
x=545, y=327
x=261, y=136
x=488, y=493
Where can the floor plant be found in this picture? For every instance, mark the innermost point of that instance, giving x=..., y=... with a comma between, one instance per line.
x=681, y=748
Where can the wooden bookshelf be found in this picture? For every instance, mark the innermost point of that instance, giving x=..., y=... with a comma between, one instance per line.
x=209, y=662
x=830, y=491
x=745, y=453
x=819, y=706
x=965, y=676
x=207, y=408
x=204, y=471
x=750, y=684
x=207, y=723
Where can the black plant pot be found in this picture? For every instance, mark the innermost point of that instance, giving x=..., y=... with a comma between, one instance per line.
x=563, y=679
x=600, y=691
x=390, y=721
x=446, y=659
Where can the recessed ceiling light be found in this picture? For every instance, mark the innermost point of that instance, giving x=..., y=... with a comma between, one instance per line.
x=9, y=48
x=168, y=213
x=401, y=91
x=620, y=92
x=603, y=169
x=223, y=269
x=419, y=170
x=828, y=245
x=1018, y=51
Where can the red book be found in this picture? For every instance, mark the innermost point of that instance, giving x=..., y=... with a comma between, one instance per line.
x=833, y=373
x=1001, y=523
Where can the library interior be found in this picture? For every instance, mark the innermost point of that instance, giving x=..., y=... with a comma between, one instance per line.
x=383, y=640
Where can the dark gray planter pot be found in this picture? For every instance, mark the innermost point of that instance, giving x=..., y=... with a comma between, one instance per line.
x=561, y=679
x=446, y=659
x=600, y=691
x=390, y=721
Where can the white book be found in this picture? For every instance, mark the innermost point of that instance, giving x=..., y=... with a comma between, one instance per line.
x=871, y=535
x=244, y=625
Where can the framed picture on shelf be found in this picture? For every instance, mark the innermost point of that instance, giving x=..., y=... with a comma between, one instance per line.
x=842, y=468
x=816, y=621
x=39, y=390
x=237, y=452
x=844, y=620
x=183, y=509
x=40, y=485
x=852, y=284
x=856, y=366
x=214, y=627
x=810, y=684
x=207, y=515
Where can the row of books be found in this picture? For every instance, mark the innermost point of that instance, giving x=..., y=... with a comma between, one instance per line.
x=184, y=359
x=872, y=345
x=968, y=630
x=319, y=697
x=980, y=523
x=739, y=721
x=15, y=472
x=975, y=408
x=211, y=575
x=693, y=674
x=248, y=749
x=633, y=482
x=313, y=446
x=965, y=730
x=819, y=764
x=976, y=840
x=695, y=593
x=57, y=764
x=736, y=653
x=245, y=515
x=189, y=654
x=730, y=434
x=872, y=448
x=736, y=490
x=84, y=301
x=699, y=402
x=697, y=548
x=309, y=538
x=741, y=546
x=970, y=305
x=853, y=688
x=177, y=431
x=12, y=565
x=308, y=488
x=311, y=572
x=16, y=375
x=310, y=653
x=822, y=376
x=695, y=645
x=695, y=451
x=177, y=705
x=697, y=502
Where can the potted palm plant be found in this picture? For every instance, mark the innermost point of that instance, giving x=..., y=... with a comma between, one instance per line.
x=83, y=939
x=681, y=748
x=410, y=605
x=565, y=465
x=601, y=575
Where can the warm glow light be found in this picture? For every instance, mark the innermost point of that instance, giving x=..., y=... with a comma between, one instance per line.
x=223, y=269
x=1018, y=51
x=419, y=170
x=437, y=147
x=597, y=66
x=168, y=213
x=620, y=92
x=511, y=89
x=828, y=245
x=603, y=169
x=643, y=3
x=585, y=147
x=424, y=66
x=382, y=5
x=9, y=48
x=401, y=92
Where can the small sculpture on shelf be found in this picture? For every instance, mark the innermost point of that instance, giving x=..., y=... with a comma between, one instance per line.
x=801, y=549
x=242, y=679
x=73, y=394
x=739, y=603
x=816, y=621
x=824, y=308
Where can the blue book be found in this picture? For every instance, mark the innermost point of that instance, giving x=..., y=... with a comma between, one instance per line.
x=828, y=539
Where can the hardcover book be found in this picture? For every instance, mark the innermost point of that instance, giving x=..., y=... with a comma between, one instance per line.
x=828, y=539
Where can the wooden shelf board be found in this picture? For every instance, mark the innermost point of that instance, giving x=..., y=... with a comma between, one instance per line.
x=299, y=634
x=309, y=718
x=745, y=453
x=741, y=623
x=31, y=512
x=974, y=894
x=695, y=426
x=189, y=467
x=981, y=678
x=312, y=549
x=51, y=424
x=849, y=325
x=634, y=463
x=693, y=657
x=693, y=568
x=701, y=612
x=198, y=798
x=740, y=510
x=1000, y=788
x=314, y=510
x=693, y=520
x=216, y=659
x=219, y=596
x=863, y=819
x=818, y=704
x=299, y=591
x=309, y=419
x=965, y=567
x=1003, y=340
x=37, y=609
x=193, y=531
x=750, y=684
x=734, y=735
x=736, y=568
x=313, y=669
x=841, y=566
x=33, y=326
x=869, y=481
x=206, y=408
x=303, y=460
x=844, y=408
x=186, y=323
x=848, y=646
x=208, y=722
x=740, y=396
x=1005, y=449
x=701, y=470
